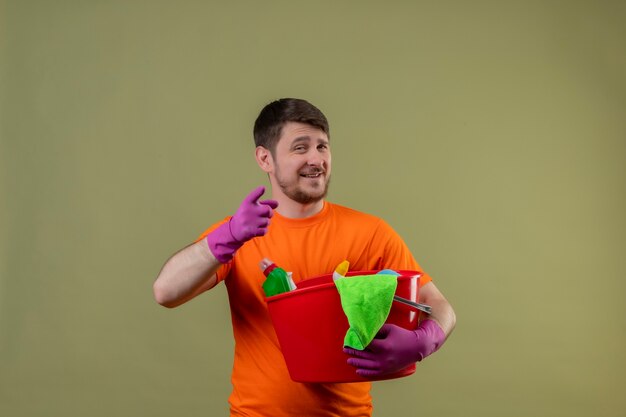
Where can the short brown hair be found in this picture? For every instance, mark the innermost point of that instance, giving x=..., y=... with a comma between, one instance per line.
x=269, y=124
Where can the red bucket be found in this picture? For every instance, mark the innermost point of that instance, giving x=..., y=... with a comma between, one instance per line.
x=311, y=326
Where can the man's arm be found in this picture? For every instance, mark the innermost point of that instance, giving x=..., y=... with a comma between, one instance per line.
x=442, y=311
x=191, y=271
x=186, y=274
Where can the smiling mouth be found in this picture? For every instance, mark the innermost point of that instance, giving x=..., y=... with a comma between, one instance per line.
x=314, y=175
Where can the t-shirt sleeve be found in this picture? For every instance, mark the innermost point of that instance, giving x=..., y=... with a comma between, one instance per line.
x=393, y=252
x=223, y=270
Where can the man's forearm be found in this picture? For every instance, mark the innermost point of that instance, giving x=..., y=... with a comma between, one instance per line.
x=443, y=314
x=191, y=271
x=442, y=311
x=186, y=274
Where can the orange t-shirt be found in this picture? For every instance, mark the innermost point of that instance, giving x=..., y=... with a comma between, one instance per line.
x=307, y=247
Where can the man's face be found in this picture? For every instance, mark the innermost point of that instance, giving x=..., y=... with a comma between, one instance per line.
x=302, y=162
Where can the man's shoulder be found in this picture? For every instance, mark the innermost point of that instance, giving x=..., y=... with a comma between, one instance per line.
x=349, y=213
x=365, y=224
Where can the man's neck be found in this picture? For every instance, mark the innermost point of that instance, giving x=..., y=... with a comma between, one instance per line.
x=294, y=210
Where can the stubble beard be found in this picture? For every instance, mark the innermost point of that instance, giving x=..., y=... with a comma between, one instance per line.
x=297, y=194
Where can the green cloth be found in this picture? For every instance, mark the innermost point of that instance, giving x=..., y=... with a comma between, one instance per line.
x=366, y=302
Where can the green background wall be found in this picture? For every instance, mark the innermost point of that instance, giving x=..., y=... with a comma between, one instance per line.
x=491, y=135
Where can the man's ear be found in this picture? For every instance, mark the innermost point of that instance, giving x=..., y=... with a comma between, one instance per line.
x=264, y=159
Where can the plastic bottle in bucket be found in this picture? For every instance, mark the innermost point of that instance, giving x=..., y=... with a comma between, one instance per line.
x=278, y=280
x=341, y=270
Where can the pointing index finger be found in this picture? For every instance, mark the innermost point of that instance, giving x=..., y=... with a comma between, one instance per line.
x=255, y=194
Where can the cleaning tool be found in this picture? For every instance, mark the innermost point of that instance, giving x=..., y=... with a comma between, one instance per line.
x=278, y=280
x=341, y=270
x=366, y=302
x=422, y=307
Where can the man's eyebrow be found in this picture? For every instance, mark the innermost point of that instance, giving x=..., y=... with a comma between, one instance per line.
x=307, y=139
x=301, y=139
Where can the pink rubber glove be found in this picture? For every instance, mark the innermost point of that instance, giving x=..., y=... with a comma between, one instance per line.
x=251, y=220
x=394, y=348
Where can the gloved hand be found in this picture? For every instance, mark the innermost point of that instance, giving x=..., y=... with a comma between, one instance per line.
x=250, y=220
x=395, y=348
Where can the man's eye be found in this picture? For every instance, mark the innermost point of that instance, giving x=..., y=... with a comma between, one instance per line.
x=322, y=147
x=299, y=148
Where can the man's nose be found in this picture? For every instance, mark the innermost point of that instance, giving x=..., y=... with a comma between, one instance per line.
x=315, y=158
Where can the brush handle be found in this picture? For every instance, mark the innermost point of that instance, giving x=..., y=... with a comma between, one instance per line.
x=421, y=307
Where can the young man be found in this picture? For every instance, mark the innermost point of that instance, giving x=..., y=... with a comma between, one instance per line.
x=309, y=236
